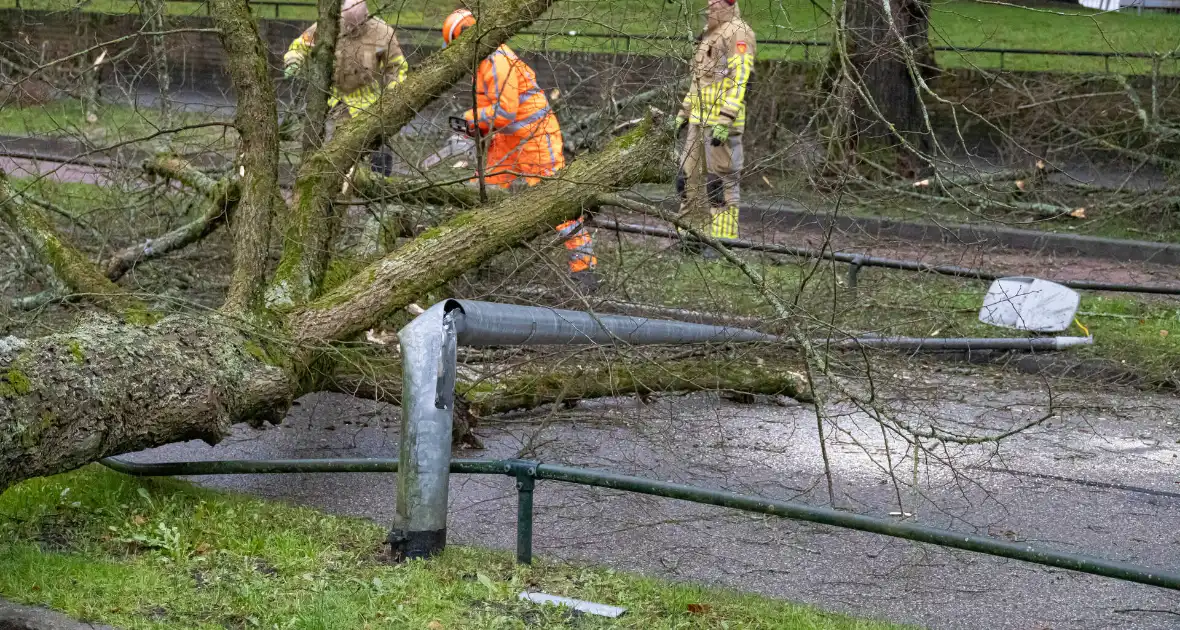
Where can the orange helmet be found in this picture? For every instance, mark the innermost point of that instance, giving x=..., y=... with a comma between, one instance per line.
x=455, y=23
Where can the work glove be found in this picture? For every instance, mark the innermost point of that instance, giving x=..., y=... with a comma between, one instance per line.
x=291, y=69
x=681, y=122
x=720, y=134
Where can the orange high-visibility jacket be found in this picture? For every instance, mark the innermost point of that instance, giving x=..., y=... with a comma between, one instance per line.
x=507, y=97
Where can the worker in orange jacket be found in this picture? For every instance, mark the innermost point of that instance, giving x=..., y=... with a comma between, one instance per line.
x=525, y=143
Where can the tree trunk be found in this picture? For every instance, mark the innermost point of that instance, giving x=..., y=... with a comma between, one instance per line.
x=888, y=48
x=113, y=384
x=153, y=13
x=107, y=387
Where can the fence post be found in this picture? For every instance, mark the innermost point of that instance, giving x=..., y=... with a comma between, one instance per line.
x=525, y=482
x=854, y=270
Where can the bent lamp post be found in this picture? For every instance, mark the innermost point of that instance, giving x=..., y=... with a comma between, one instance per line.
x=429, y=357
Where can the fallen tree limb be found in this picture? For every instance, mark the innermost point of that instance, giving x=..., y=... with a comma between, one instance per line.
x=589, y=131
x=223, y=198
x=66, y=399
x=536, y=385
x=76, y=272
x=311, y=224
x=1019, y=180
x=980, y=202
x=122, y=261
x=457, y=193
x=444, y=252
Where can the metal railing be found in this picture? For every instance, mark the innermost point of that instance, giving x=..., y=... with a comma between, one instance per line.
x=527, y=473
x=429, y=347
x=429, y=371
x=857, y=261
x=806, y=45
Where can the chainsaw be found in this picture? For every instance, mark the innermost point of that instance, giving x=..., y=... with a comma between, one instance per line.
x=458, y=144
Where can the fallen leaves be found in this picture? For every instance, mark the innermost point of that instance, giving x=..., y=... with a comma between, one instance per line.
x=700, y=609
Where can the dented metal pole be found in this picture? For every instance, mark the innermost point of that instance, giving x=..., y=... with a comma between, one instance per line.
x=428, y=346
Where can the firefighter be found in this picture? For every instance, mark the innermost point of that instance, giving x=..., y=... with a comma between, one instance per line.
x=525, y=142
x=368, y=60
x=714, y=111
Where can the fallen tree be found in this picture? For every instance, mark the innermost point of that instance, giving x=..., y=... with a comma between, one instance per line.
x=128, y=378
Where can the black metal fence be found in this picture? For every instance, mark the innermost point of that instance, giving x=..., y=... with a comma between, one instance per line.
x=527, y=473
x=624, y=40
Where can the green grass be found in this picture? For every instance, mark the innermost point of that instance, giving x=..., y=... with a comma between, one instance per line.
x=141, y=554
x=1138, y=332
x=114, y=123
x=958, y=23
x=1157, y=223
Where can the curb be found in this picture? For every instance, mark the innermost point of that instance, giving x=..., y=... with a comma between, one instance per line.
x=786, y=217
x=18, y=617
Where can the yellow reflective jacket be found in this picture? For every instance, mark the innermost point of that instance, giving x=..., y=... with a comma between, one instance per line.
x=368, y=60
x=721, y=69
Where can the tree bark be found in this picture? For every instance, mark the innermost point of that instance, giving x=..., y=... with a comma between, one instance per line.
x=257, y=124
x=887, y=45
x=107, y=388
x=445, y=252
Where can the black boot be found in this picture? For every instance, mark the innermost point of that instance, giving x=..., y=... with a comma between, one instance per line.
x=587, y=281
x=381, y=162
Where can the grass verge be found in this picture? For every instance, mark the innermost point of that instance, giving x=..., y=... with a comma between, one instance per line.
x=115, y=123
x=961, y=24
x=1140, y=333
x=143, y=553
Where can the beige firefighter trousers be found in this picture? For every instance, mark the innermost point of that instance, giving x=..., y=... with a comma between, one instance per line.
x=723, y=168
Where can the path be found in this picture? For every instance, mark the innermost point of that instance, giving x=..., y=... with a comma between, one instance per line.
x=1124, y=437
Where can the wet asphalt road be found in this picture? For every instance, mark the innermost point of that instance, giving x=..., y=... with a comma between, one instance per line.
x=1119, y=436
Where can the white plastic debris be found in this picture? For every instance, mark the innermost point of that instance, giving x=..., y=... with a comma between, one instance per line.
x=602, y=610
x=1029, y=304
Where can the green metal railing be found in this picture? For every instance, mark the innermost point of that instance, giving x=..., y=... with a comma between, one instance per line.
x=527, y=473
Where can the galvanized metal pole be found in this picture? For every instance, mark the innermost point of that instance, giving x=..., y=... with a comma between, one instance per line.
x=428, y=346
x=428, y=382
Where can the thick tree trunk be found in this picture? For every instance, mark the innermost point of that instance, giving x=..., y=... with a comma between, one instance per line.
x=887, y=47
x=107, y=388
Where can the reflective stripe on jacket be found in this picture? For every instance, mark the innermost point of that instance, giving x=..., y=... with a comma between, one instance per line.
x=721, y=69
x=507, y=97
x=368, y=60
